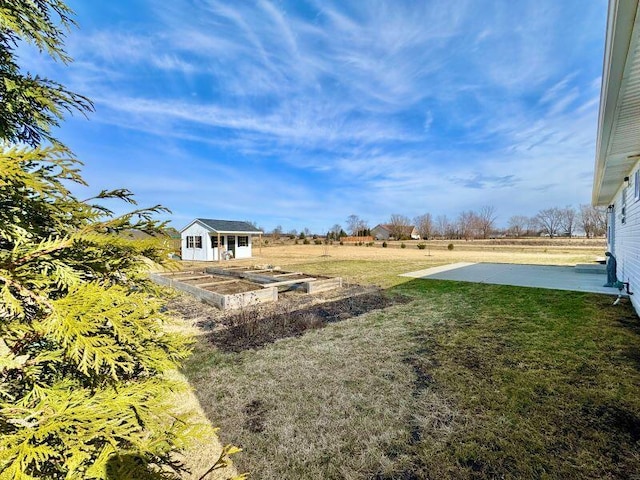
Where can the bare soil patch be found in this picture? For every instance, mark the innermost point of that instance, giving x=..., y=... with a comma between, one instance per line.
x=250, y=331
x=254, y=327
x=255, y=412
x=222, y=284
x=238, y=286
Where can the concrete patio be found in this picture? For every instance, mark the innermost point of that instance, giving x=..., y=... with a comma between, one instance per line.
x=537, y=276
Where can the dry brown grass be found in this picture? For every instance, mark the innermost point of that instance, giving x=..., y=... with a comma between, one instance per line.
x=562, y=253
x=204, y=450
x=465, y=382
x=206, y=447
x=468, y=381
x=301, y=405
x=380, y=266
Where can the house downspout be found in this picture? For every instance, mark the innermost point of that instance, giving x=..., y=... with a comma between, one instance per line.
x=622, y=285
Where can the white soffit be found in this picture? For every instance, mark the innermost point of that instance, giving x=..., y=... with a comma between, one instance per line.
x=618, y=147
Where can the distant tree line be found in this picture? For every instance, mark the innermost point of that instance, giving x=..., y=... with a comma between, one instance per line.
x=478, y=224
x=565, y=222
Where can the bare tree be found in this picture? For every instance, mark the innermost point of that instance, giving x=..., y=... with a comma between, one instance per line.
x=485, y=220
x=593, y=220
x=363, y=229
x=533, y=226
x=466, y=224
x=550, y=220
x=399, y=226
x=586, y=220
x=569, y=220
x=357, y=226
x=335, y=231
x=425, y=226
x=276, y=232
x=354, y=224
x=445, y=227
x=518, y=225
x=601, y=221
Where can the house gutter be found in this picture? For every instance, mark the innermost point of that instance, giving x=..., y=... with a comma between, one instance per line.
x=620, y=22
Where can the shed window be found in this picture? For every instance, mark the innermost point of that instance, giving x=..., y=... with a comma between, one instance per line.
x=636, y=184
x=243, y=241
x=214, y=241
x=198, y=241
x=190, y=241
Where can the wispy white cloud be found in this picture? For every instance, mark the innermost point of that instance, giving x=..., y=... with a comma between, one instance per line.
x=423, y=106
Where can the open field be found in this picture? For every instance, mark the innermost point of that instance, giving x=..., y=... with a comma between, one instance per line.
x=463, y=381
x=380, y=266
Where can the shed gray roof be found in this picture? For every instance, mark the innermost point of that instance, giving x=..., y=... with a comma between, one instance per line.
x=227, y=226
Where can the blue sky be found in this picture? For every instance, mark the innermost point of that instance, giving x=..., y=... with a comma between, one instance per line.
x=300, y=113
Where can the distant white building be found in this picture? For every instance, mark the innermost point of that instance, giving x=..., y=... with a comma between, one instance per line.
x=383, y=231
x=209, y=240
x=616, y=183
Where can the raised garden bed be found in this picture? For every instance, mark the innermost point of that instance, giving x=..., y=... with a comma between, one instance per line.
x=230, y=288
x=218, y=291
x=281, y=279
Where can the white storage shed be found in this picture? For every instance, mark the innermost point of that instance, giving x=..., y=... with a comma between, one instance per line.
x=210, y=240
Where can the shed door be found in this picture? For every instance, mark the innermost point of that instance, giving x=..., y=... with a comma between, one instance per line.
x=231, y=245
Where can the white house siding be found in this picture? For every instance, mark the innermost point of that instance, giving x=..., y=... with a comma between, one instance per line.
x=626, y=242
x=380, y=233
x=203, y=254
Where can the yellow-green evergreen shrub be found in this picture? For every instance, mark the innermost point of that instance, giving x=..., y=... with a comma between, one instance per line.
x=83, y=351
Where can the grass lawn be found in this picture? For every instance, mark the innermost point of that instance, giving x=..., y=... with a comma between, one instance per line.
x=381, y=266
x=464, y=381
